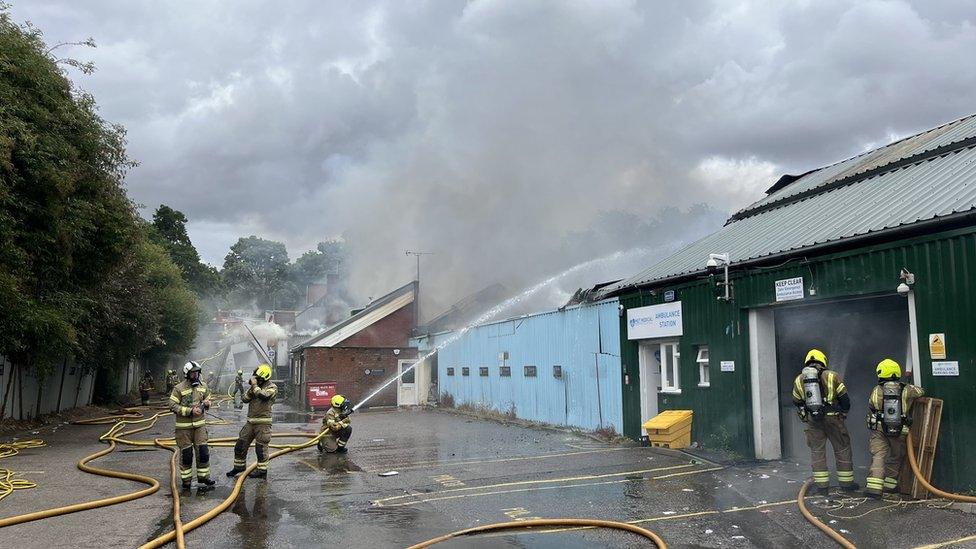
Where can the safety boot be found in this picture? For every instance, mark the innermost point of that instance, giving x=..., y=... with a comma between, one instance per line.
x=206, y=481
x=235, y=471
x=187, y=484
x=258, y=473
x=341, y=450
x=850, y=487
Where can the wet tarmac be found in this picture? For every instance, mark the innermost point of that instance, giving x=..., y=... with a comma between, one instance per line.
x=454, y=472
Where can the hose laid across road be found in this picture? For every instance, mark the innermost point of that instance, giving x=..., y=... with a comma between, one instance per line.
x=800, y=497
x=177, y=521
x=523, y=524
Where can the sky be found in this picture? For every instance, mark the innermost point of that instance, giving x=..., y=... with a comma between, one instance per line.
x=511, y=138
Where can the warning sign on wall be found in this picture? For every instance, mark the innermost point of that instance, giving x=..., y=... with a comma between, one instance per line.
x=937, y=346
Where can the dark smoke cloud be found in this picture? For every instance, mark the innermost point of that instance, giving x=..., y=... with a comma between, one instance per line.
x=511, y=138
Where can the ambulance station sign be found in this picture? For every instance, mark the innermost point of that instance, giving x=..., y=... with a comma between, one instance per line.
x=789, y=289
x=655, y=321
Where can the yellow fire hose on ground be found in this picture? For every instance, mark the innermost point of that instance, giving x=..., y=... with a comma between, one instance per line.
x=521, y=525
x=177, y=521
x=7, y=483
x=800, y=497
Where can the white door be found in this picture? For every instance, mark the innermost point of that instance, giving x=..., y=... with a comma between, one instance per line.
x=406, y=383
x=650, y=379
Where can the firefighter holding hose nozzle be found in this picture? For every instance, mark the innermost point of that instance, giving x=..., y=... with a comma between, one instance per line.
x=889, y=419
x=337, y=423
x=822, y=403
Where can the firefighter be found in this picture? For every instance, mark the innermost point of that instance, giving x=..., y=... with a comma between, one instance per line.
x=212, y=380
x=259, y=397
x=145, y=386
x=188, y=401
x=889, y=420
x=822, y=403
x=238, y=388
x=338, y=424
x=171, y=381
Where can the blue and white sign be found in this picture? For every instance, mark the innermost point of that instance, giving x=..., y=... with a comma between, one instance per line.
x=789, y=289
x=669, y=296
x=654, y=321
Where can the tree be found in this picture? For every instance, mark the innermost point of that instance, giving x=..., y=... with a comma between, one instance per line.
x=169, y=231
x=256, y=272
x=77, y=273
x=313, y=266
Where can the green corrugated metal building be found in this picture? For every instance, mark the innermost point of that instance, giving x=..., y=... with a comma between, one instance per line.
x=818, y=263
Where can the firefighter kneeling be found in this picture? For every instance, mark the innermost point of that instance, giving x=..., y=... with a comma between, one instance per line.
x=822, y=403
x=889, y=420
x=337, y=423
x=259, y=398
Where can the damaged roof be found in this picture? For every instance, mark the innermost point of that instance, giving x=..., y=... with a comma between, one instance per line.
x=924, y=177
x=372, y=313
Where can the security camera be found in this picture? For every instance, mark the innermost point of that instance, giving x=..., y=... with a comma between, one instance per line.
x=711, y=265
x=903, y=289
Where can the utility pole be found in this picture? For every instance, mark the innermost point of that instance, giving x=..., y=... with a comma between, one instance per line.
x=416, y=299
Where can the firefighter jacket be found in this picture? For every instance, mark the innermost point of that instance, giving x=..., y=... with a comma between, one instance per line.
x=833, y=390
x=909, y=393
x=182, y=401
x=146, y=384
x=333, y=422
x=259, y=399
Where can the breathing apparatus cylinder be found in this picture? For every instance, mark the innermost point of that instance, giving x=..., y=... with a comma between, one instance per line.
x=891, y=412
x=812, y=395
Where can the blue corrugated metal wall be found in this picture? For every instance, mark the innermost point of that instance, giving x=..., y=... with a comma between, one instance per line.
x=581, y=340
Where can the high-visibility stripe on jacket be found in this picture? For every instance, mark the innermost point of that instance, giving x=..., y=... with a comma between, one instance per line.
x=830, y=381
x=183, y=399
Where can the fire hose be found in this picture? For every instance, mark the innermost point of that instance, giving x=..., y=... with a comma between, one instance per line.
x=921, y=478
x=522, y=524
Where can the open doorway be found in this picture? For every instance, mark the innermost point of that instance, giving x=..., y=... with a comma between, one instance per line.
x=855, y=335
x=659, y=372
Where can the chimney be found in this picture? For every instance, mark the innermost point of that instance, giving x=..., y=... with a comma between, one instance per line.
x=315, y=292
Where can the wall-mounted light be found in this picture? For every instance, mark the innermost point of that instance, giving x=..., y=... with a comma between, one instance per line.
x=620, y=309
x=907, y=281
x=714, y=262
x=396, y=351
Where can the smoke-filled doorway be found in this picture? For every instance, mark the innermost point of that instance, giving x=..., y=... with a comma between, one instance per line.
x=855, y=334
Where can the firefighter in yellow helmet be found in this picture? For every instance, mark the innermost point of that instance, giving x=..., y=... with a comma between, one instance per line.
x=889, y=419
x=822, y=403
x=337, y=423
x=188, y=402
x=260, y=397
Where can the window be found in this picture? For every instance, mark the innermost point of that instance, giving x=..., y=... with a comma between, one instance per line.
x=702, y=361
x=670, y=368
x=530, y=371
x=450, y=371
x=505, y=371
x=465, y=371
x=557, y=372
x=483, y=371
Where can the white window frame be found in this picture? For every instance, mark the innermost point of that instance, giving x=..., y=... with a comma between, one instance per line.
x=704, y=375
x=670, y=360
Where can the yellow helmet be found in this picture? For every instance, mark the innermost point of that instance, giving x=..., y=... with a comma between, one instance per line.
x=338, y=400
x=816, y=355
x=888, y=369
x=240, y=371
x=263, y=372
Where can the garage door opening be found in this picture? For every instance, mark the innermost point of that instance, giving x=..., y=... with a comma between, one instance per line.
x=855, y=335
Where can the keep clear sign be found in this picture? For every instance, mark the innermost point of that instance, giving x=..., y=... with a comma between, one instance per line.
x=789, y=289
x=655, y=321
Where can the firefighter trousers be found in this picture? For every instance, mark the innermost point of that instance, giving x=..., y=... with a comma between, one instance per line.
x=831, y=428
x=887, y=457
x=188, y=440
x=260, y=434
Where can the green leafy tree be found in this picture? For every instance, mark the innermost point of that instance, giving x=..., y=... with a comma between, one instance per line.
x=77, y=274
x=256, y=272
x=169, y=231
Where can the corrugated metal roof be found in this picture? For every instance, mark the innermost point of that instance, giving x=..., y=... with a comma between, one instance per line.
x=921, y=143
x=936, y=187
x=401, y=291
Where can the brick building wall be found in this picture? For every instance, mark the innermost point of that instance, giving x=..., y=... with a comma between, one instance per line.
x=393, y=331
x=347, y=367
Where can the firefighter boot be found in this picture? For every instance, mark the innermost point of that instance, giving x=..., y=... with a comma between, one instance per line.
x=235, y=471
x=205, y=484
x=258, y=473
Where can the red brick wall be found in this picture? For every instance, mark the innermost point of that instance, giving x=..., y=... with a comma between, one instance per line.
x=346, y=366
x=392, y=331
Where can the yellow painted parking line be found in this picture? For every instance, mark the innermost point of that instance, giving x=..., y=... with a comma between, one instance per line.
x=426, y=464
x=946, y=543
x=687, y=473
x=543, y=481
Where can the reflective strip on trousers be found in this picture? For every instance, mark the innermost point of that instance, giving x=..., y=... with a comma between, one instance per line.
x=203, y=472
x=845, y=476
x=185, y=474
x=191, y=425
x=240, y=463
x=262, y=465
x=890, y=483
x=873, y=482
